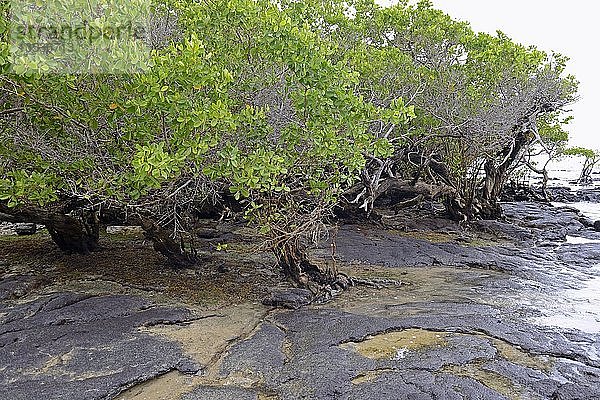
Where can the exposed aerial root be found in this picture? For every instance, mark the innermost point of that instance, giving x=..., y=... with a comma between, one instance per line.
x=344, y=281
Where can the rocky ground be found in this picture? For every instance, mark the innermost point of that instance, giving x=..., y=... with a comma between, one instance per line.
x=501, y=310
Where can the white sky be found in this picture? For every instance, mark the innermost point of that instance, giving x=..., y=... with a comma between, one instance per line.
x=572, y=29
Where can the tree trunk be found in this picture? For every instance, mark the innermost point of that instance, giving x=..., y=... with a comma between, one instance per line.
x=486, y=202
x=585, y=178
x=487, y=206
x=75, y=233
x=456, y=208
x=397, y=193
x=545, y=180
x=303, y=273
x=167, y=246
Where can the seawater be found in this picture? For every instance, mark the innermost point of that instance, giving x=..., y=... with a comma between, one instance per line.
x=564, y=173
x=590, y=210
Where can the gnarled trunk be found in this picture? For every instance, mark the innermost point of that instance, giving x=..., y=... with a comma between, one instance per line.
x=585, y=178
x=484, y=204
x=73, y=233
x=398, y=193
x=485, y=200
x=495, y=178
x=162, y=242
x=322, y=279
x=302, y=272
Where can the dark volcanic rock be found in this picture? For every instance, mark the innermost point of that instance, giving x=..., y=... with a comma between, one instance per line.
x=504, y=230
x=422, y=385
x=566, y=195
x=532, y=249
x=289, y=298
x=220, y=393
x=72, y=346
x=305, y=358
x=514, y=192
x=544, y=221
x=562, y=194
x=571, y=391
x=13, y=287
x=476, y=320
x=592, y=195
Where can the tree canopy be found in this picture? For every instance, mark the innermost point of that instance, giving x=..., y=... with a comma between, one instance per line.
x=278, y=112
x=590, y=160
